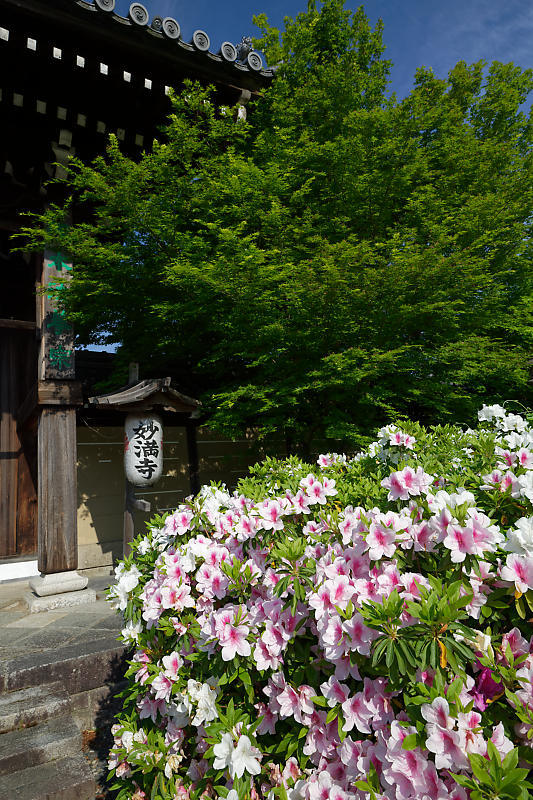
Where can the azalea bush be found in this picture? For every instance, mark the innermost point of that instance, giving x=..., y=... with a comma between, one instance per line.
x=354, y=629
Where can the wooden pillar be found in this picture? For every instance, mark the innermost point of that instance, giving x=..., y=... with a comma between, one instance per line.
x=57, y=533
x=129, y=523
x=57, y=523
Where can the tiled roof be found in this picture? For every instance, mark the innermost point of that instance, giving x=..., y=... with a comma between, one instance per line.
x=168, y=31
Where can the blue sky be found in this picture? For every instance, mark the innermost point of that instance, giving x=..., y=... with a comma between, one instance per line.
x=417, y=32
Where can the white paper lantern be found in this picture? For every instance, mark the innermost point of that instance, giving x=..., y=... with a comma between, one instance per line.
x=143, y=449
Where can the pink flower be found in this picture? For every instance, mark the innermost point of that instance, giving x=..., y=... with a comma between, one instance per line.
x=437, y=713
x=360, y=637
x=307, y=482
x=295, y=703
x=396, y=486
x=460, y=541
x=525, y=458
x=340, y=591
x=179, y=522
x=407, y=773
x=381, y=541
x=176, y=595
x=161, y=686
x=317, y=494
x=356, y=714
x=172, y=664
x=446, y=745
x=149, y=707
x=407, y=483
x=471, y=738
x=486, y=689
x=329, y=487
x=265, y=657
x=333, y=637
x=334, y=692
x=268, y=723
x=270, y=512
x=233, y=641
x=516, y=642
x=500, y=740
x=519, y=570
x=211, y=581
x=300, y=503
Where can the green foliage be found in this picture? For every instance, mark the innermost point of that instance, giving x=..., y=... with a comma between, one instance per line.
x=341, y=259
x=494, y=778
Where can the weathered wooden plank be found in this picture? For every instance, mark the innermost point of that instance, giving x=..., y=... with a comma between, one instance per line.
x=9, y=445
x=18, y=324
x=57, y=529
x=62, y=393
x=27, y=348
x=27, y=490
x=28, y=406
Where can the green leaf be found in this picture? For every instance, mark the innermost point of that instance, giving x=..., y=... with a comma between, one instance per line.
x=410, y=741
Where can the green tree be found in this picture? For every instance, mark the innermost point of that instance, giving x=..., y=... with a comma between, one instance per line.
x=340, y=259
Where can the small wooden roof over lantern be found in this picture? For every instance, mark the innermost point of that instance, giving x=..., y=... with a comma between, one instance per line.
x=142, y=402
x=154, y=394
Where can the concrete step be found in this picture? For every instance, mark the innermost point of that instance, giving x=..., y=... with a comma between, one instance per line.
x=27, y=707
x=63, y=779
x=56, y=738
x=78, y=667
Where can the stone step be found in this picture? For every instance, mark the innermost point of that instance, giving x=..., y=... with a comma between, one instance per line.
x=53, y=739
x=27, y=707
x=63, y=779
x=78, y=667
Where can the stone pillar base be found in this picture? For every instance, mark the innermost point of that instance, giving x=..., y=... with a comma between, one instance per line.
x=58, y=583
x=51, y=602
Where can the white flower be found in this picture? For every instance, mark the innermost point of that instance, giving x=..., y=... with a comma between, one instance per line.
x=298, y=790
x=118, y=597
x=521, y=540
x=188, y=560
x=173, y=762
x=179, y=713
x=131, y=632
x=127, y=740
x=129, y=579
x=488, y=413
x=243, y=759
x=144, y=546
x=206, y=710
x=526, y=485
x=513, y=422
x=239, y=759
x=193, y=689
x=482, y=643
x=223, y=751
x=516, y=440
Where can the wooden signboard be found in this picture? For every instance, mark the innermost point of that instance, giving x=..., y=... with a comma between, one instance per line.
x=56, y=356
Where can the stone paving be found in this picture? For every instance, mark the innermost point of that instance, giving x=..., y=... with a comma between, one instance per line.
x=49, y=642
x=22, y=633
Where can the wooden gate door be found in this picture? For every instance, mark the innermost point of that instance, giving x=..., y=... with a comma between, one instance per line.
x=18, y=443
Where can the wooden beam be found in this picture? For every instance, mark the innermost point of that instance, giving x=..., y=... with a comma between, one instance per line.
x=57, y=523
x=18, y=324
x=59, y=393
